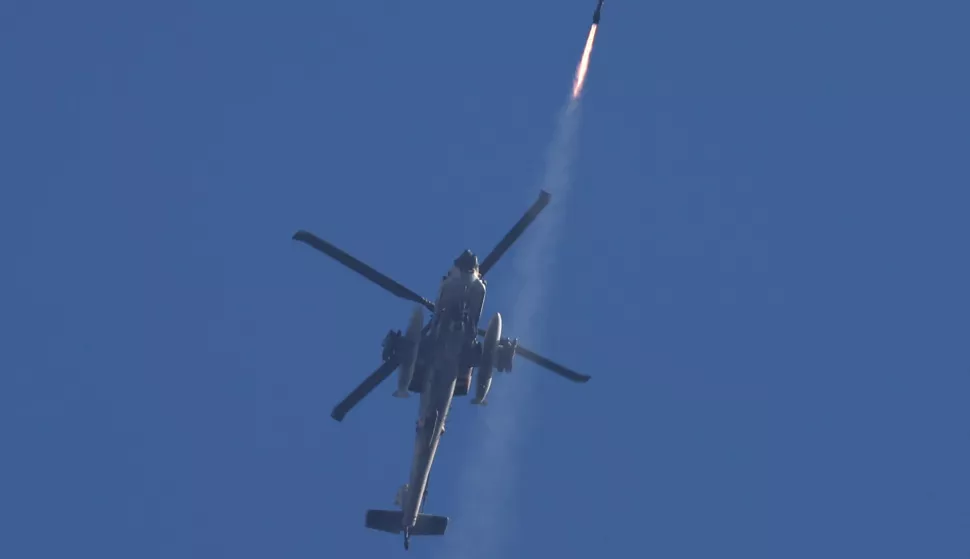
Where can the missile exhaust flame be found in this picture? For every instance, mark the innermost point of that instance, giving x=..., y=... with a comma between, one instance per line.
x=583, y=67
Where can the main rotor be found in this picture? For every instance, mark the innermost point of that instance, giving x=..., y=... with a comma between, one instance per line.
x=466, y=261
x=399, y=290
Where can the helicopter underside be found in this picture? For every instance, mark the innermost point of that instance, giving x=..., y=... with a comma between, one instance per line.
x=504, y=350
x=462, y=386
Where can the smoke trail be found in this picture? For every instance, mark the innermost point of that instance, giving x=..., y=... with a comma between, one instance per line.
x=487, y=512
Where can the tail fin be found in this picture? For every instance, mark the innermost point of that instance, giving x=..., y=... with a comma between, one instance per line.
x=391, y=520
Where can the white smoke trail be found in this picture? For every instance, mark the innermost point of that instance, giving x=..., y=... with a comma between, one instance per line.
x=487, y=515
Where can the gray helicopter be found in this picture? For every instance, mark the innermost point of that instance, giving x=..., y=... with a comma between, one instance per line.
x=437, y=362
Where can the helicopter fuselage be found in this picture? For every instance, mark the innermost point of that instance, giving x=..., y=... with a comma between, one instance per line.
x=446, y=352
x=461, y=300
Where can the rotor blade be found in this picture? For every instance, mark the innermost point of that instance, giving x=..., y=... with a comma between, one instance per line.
x=546, y=363
x=370, y=383
x=514, y=233
x=552, y=366
x=361, y=268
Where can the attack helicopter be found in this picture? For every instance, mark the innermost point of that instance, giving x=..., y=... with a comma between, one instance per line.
x=437, y=360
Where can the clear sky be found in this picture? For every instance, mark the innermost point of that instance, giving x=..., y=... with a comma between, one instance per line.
x=763, y=262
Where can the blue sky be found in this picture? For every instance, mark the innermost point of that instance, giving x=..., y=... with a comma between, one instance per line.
x=763, y=263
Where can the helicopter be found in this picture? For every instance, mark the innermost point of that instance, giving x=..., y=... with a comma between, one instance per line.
x=437, y=360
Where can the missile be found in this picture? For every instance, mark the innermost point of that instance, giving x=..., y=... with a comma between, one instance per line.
x=596, y=12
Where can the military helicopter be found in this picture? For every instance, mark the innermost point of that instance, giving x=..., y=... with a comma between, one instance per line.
x=437, y=362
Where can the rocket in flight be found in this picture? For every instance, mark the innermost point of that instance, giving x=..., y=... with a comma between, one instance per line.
x=596, y=12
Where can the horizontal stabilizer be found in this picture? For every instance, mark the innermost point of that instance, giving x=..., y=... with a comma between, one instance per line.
x=391, y=520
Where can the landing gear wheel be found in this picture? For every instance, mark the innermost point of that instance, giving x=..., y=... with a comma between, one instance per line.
x=407, y=539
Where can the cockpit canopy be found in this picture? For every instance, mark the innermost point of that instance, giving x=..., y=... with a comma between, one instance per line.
x=467, y=262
